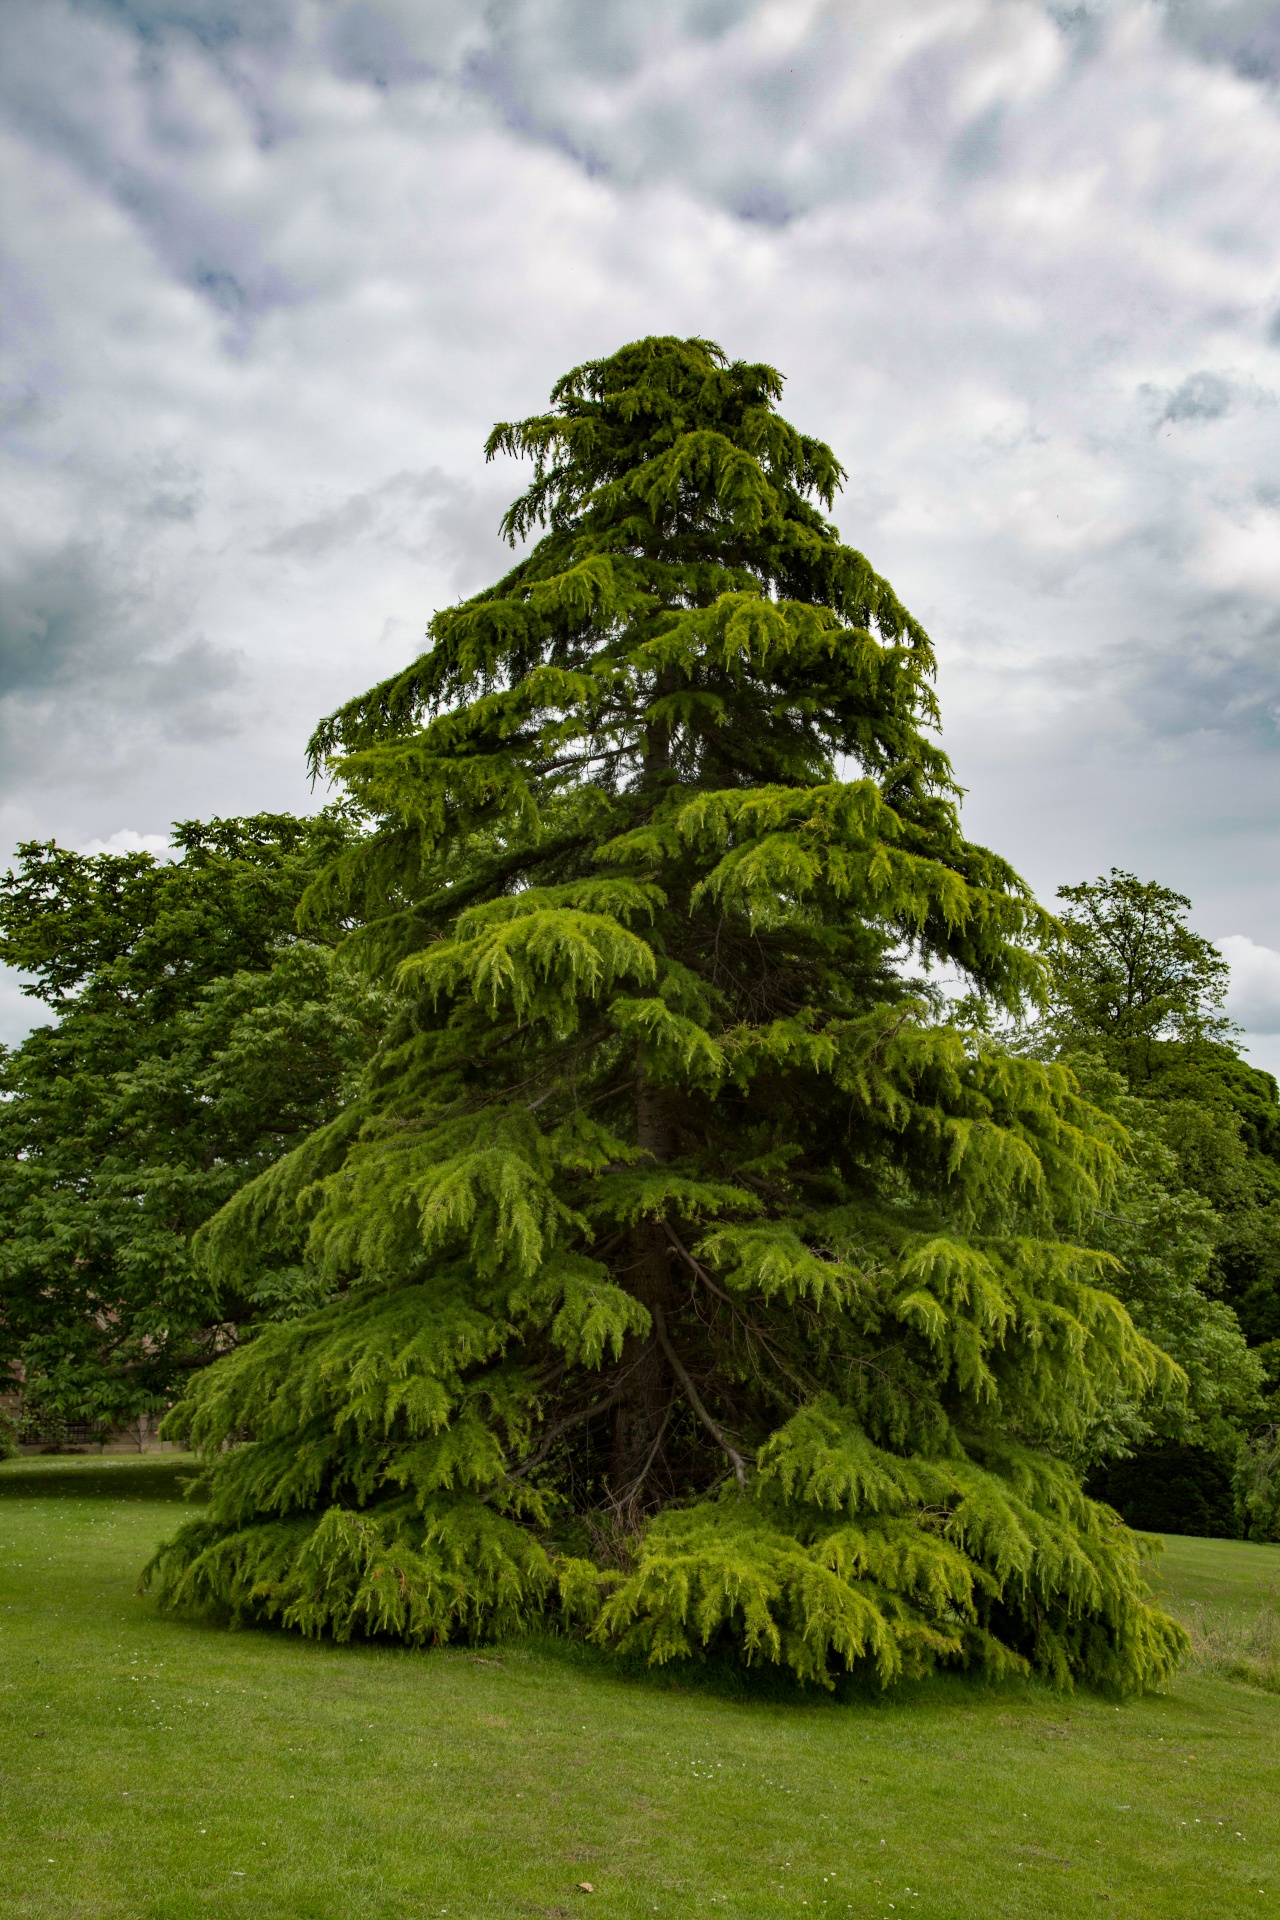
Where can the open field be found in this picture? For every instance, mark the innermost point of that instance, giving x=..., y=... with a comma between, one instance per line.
x=151, y=1769
x=1227, y=1593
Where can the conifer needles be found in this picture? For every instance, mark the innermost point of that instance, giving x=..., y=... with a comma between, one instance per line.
x=690, y=1281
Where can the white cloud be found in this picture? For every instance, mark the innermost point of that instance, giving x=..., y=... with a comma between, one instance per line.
x=1254, y=998
x=126, y=840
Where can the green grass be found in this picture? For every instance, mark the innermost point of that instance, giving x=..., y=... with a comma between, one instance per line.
x=154, y=1769
x=1227, y=1593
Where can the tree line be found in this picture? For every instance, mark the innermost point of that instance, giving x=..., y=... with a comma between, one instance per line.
x=555, y=1181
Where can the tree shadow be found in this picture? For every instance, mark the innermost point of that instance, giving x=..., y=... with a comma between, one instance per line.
x=159, y=1477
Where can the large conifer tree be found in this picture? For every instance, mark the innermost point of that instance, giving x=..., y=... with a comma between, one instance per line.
x=691, y=1281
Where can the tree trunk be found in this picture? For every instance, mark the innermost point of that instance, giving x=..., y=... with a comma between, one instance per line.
x=639, y=1415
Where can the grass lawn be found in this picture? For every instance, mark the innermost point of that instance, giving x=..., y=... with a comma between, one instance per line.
x=151, y=1769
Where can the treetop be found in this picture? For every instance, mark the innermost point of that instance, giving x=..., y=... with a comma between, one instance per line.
x=683, y=548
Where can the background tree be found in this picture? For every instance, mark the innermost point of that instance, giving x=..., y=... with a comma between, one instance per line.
x=1134, y=984
x=1257, y=1485
x=1164, y=1236
x=689, y=1276
x=1137, y=1008
x=196, y=1038
x=1131, y=973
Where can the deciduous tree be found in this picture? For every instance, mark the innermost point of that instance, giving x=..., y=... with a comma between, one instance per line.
x=195, y=1039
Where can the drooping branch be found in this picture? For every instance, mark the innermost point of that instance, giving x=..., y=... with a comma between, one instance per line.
x=749, y=1325
x=692, y=1395
x=696, y=1265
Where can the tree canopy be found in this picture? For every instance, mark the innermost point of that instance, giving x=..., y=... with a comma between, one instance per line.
x=196, y=1038
x=690, y=1280
x=1132, y=983
x=1131, y=972
x=1136, y=1007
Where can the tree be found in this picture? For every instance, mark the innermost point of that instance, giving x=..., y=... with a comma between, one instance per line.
x=1133, y=983
x=1131, y=972
x=1136, y=1000
x=1257, y=1485
x=196, y=1038
x=1164, y=1236
x=689, y=1277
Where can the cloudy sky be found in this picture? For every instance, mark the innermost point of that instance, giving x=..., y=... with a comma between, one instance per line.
x=271, y=268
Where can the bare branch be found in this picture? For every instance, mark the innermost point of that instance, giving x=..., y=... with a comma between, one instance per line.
x=696, y=1265
x=563, y=1426
x=749, y=1325
x=691, y=1395
x=622, y=1501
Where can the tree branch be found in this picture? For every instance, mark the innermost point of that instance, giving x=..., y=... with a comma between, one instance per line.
x=696, y=1265
x=734, y=1308
x=643, y=1474
x=563, y=1426
x=691, y=1395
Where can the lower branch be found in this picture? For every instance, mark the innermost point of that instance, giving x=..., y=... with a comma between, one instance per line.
x=757, y=1333
x=692, y=1396
x=643, y=1474
x=563, y=1426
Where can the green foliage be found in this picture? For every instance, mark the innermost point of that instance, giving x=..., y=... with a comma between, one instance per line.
x=1196, y=1223
x=195, y=1040
x=1131, y=972
x=690, y=1281
x=1257, y=1485
x=1164, y=1237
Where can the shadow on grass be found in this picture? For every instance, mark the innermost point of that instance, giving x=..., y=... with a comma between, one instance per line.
x=715, y=1675
x=718, y=1675
x=713, y=1680
x=113, y=1477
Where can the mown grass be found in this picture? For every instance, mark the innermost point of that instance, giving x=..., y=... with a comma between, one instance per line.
x=155, y=1769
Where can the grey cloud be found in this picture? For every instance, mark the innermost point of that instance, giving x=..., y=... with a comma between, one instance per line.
x=212, y=246
x=430, y=514
x=369, y=45
x=763, y=203
x=173, y=503
x=20, y=407
x=641, y=90
x=978, y=147
x=1243, y=34
x=187, y=692
x=84, y=675
x=1082, y=24
x=1202, y=396
x=212, y=24
x=666, y=89
x=53, y=606
x=401, y=508
x=1198, y=682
